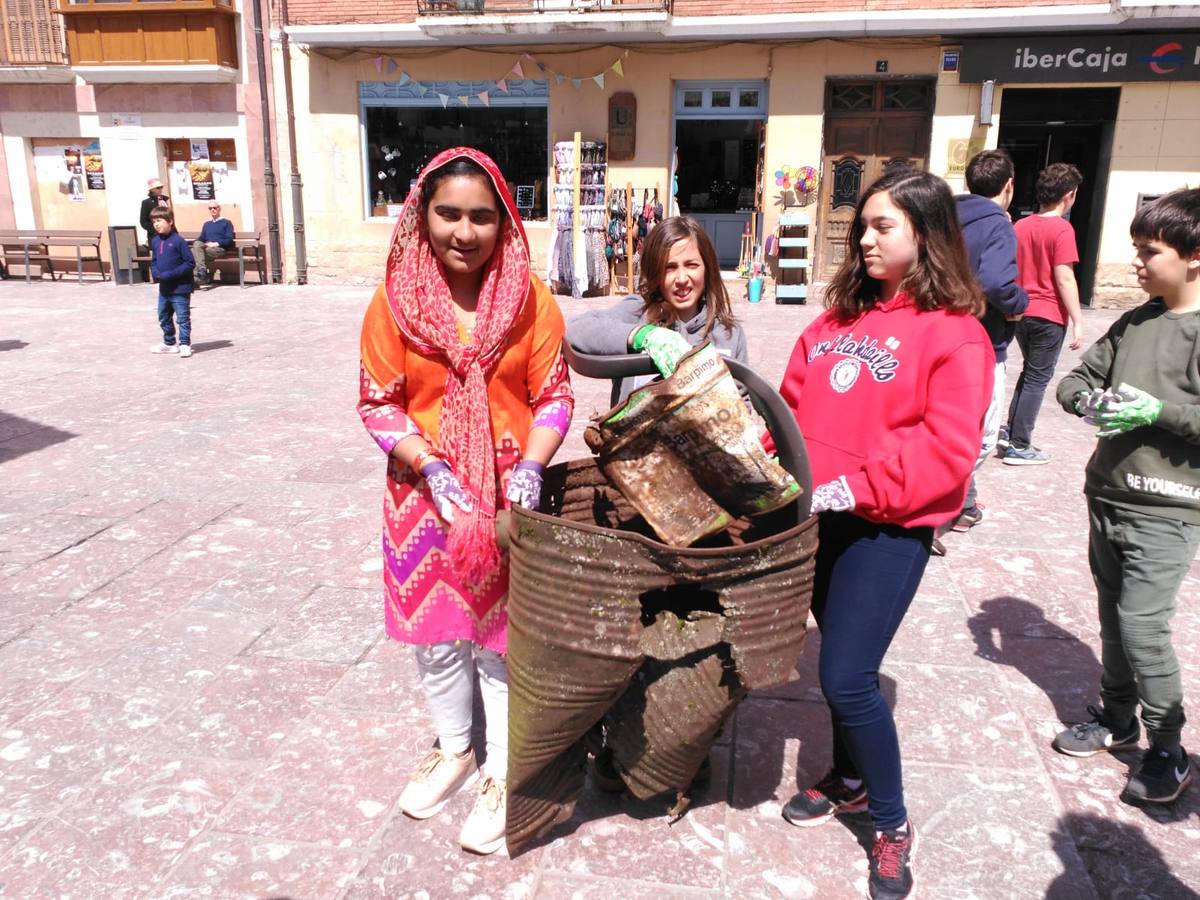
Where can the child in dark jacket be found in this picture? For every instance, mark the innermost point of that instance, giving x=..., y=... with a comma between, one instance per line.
x=171, y=264
x=1141, y=384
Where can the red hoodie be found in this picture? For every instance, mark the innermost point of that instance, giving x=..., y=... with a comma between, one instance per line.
x=894, y=401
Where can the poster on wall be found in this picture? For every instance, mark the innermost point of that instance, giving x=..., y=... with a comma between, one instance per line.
x=200, y=171
x=199, y=148
x=93, y=166
x=73, y=184
x=61, y=165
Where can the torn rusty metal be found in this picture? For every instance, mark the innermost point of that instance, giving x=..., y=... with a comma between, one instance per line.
x=687, y=453
x=609, y=626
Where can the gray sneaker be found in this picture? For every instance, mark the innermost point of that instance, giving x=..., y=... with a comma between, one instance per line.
x=1097, y=736
x=1024, y=456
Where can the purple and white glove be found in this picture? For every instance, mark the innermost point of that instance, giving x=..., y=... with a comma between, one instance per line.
x=448, y=494
x=832, y=496
x=525, y=484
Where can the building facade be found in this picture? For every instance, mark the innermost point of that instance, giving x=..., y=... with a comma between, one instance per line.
x=97, y=98
x=727, y=103
x=737, y=113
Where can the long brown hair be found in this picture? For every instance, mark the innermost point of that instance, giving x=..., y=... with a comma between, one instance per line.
x=655, y=252
x=941, y=278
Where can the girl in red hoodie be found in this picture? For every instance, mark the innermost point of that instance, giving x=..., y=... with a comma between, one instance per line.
x=889, y=386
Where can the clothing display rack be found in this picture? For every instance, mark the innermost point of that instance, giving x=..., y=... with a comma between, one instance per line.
x=793, y=261
x=578, y=259
x=629, y=223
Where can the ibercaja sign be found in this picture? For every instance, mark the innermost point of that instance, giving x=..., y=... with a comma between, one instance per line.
x=1162, y=56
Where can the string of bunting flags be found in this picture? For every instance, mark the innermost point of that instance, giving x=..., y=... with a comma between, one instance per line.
x=515, y=73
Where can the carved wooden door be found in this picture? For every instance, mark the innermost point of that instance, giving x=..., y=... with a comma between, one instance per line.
x=870, y=126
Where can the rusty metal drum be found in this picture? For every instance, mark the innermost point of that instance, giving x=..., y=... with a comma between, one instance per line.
x=609, y=626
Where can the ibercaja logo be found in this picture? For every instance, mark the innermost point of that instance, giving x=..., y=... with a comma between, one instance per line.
x=1167, y=58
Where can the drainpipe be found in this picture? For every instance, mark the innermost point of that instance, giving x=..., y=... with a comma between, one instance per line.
x=297, y=184
x=268, y=153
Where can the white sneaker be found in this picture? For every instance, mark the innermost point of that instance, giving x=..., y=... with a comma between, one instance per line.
x=438, y=778
x=483, y=832
x=185, y=351
x=164, y=348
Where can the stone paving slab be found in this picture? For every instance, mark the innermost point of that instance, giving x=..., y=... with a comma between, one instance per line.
x=197, y=698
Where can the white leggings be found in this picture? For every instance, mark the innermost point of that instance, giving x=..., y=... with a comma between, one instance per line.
x=448, y=676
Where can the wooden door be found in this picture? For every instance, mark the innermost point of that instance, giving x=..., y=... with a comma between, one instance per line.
x=870, y=126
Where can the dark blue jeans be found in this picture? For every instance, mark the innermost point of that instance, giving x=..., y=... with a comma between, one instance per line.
x=866, y=577
x=1040, y=341
x=179, y=305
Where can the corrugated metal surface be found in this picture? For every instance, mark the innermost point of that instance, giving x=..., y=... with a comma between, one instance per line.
x=609, y=625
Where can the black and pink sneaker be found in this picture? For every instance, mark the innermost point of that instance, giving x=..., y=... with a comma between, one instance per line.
x=827, y=798
x=892, y=871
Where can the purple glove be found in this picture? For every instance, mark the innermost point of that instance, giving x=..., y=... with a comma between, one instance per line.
x=832, y=496
x=525, y=484
x=448, y=494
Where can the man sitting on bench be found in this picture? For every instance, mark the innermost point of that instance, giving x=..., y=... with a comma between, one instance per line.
x=216, y=239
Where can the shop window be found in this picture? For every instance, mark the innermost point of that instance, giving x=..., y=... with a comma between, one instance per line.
x=720, y=99
x=405, y=127
x=693, y=99
x=748, y=98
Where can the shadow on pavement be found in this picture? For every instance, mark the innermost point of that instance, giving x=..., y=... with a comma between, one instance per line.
x=1015, y=632
x=1119, y=859
x=27, y=436
x=205, y=346
x=13, y=345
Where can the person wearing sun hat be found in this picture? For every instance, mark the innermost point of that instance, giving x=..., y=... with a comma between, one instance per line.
x=154, y=199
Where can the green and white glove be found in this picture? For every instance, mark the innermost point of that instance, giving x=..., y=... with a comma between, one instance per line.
x=1135, y=409
x=664, y=346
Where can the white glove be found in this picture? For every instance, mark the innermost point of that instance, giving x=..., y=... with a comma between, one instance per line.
x=832, y=496
x=448, y=494
x=525, y=484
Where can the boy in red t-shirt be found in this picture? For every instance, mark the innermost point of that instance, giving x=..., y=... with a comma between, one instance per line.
x=1046, y=255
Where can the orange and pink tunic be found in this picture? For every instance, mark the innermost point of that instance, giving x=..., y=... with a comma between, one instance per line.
x=400, y=394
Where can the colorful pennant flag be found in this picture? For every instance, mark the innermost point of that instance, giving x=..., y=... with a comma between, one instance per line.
x=379, y=64
x=483, y=98
x=599, y=79
x=404, y=79
x=445, y=98
x=618, y=68
x=392, y=67
x=520, y=73
x=464, y=99
x=577, y=82
x=502, y=85
x=420, y=89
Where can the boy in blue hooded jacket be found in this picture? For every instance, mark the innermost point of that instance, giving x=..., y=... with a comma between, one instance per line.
x=171, y=264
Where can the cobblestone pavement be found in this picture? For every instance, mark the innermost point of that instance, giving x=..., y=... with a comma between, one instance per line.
x=197, y=699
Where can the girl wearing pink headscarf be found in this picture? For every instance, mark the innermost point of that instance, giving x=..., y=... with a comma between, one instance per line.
x=463, y=385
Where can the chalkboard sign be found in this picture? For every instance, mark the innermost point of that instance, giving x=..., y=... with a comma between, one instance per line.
x=524, y=196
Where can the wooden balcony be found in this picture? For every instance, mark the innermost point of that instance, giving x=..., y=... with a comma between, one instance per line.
x=535, y=7
x=180, y=40
x=33, y=34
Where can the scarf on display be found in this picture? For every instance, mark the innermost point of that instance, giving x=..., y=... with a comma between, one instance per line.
x=418, y=295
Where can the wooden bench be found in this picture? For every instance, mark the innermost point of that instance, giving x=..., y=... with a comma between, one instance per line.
x=28, y=246
x=247, y=248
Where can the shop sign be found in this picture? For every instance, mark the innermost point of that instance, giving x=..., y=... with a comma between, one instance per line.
x=622, y=126
x=959, y=152
x=1161, y=56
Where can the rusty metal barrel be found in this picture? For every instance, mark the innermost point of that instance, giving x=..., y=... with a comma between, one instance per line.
x=608, y=626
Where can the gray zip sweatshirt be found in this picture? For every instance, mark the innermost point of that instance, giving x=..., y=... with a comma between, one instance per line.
x=606, y=332
x=1156, y=468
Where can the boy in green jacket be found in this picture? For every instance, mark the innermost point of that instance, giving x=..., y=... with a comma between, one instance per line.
x=1141, y=384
